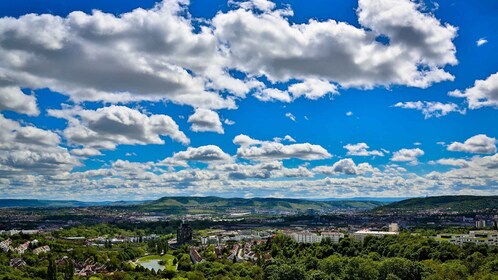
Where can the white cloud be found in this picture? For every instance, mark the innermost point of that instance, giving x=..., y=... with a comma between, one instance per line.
x=431, y=108
x=483, y=93
x=262, y=5
x=451, y=162
x=361, y=149
x=478, y=144
x=27, y=150
x=273, y=94
x=290, y=116
x=262, y=150
x=481, y=42
x=12, y=98
x=312, y=89
x=86, y=152
x=345, y=166
x=287, y=138
x=410, y=155
x=205, y=120
x=203, y=153
x=140, y=55
x=228, y=122
x=107, y=127
x=158, y=54
x=419, y=46
x=349, y=113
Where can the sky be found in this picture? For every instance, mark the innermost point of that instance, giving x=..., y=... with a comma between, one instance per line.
x=134, y=100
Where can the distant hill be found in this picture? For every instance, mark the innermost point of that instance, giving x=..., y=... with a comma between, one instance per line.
x=213, y=204
x=30, y=203
x=448, y=203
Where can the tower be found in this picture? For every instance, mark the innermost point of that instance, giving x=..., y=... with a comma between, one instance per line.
x=183, y=233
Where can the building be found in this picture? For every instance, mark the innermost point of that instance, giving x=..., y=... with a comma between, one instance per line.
x=334, y=236
x=42, y=249
x=488, y=237
x=17, y=263
x=480, y=224
x=195, y=256
x=393, y=227
x=183, y=233
x=5, y=245
x=361, y=234
x=306, y=237
x=22, y=248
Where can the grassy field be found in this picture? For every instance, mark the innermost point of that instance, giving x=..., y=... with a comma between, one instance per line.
x=168, y=259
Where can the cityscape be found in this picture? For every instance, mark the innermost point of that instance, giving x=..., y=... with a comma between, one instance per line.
x=249, y=140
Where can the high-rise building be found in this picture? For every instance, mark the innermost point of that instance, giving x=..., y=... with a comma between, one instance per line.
x=480, y=224
x=183, y=233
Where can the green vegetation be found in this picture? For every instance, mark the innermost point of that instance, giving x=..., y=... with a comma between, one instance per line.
x=461, y=203
x=406, y=256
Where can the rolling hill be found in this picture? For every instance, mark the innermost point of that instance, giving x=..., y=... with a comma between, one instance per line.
x=448, y=203
x=213, y=204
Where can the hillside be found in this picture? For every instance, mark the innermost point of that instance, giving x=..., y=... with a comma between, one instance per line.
x=215, y=204
x=447, y=203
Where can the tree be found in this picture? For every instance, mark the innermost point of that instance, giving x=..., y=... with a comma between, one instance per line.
x=52, y=269
x=68, y=270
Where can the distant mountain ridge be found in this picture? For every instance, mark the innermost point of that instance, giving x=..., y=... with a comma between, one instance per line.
x=449, y=203
x=214, y=204
x=209, y=204
x=39, y=203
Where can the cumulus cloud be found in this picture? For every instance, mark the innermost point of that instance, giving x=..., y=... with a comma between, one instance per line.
x=28, y=149
x=158, y=54
x=107, y=127
x=483, y=93
x=419, y=46
x=140, y=55
x=206, y=120
x=203, y=153
x=478, y=144
x=431, y=108
x=361, y=149
x=13, y=99
x=451, y=162
x=345, y=166
x=408, y=155
x=264, y=150
x=312, y=89
x=273, y=94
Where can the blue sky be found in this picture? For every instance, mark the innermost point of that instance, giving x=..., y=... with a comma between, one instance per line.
x=108, y=100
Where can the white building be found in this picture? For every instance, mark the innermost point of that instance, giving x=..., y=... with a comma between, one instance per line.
x=42, y=249
x=481, y=224
x=488, y=237
x=306, y=237
x=393, y=227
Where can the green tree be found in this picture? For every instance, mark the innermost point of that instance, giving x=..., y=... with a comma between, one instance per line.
x=52, y=269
